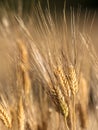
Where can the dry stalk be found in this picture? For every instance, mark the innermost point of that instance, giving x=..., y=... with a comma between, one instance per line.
x=21, y=115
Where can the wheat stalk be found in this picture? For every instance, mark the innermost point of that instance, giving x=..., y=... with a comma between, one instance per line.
x=63, y=81
x=73, y=83
x=83, y=105
x=72, y=79
x=5, y=117
x=60, y=102
x=24, y=67
x=21, y=115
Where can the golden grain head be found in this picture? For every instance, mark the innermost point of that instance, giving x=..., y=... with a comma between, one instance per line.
x=63, y=81
x=60, y=101
x=72, y=79
x=5, y=117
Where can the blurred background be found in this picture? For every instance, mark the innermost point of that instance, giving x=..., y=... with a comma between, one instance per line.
x=54, y=4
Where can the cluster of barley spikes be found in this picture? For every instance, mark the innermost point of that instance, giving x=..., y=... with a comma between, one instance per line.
x=47, y=65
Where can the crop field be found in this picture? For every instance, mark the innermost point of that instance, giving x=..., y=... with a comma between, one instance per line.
x=48, y=69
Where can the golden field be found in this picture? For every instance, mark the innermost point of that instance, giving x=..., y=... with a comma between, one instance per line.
x=48, y=70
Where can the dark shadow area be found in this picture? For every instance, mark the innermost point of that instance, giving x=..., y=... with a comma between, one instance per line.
x=53, y=4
